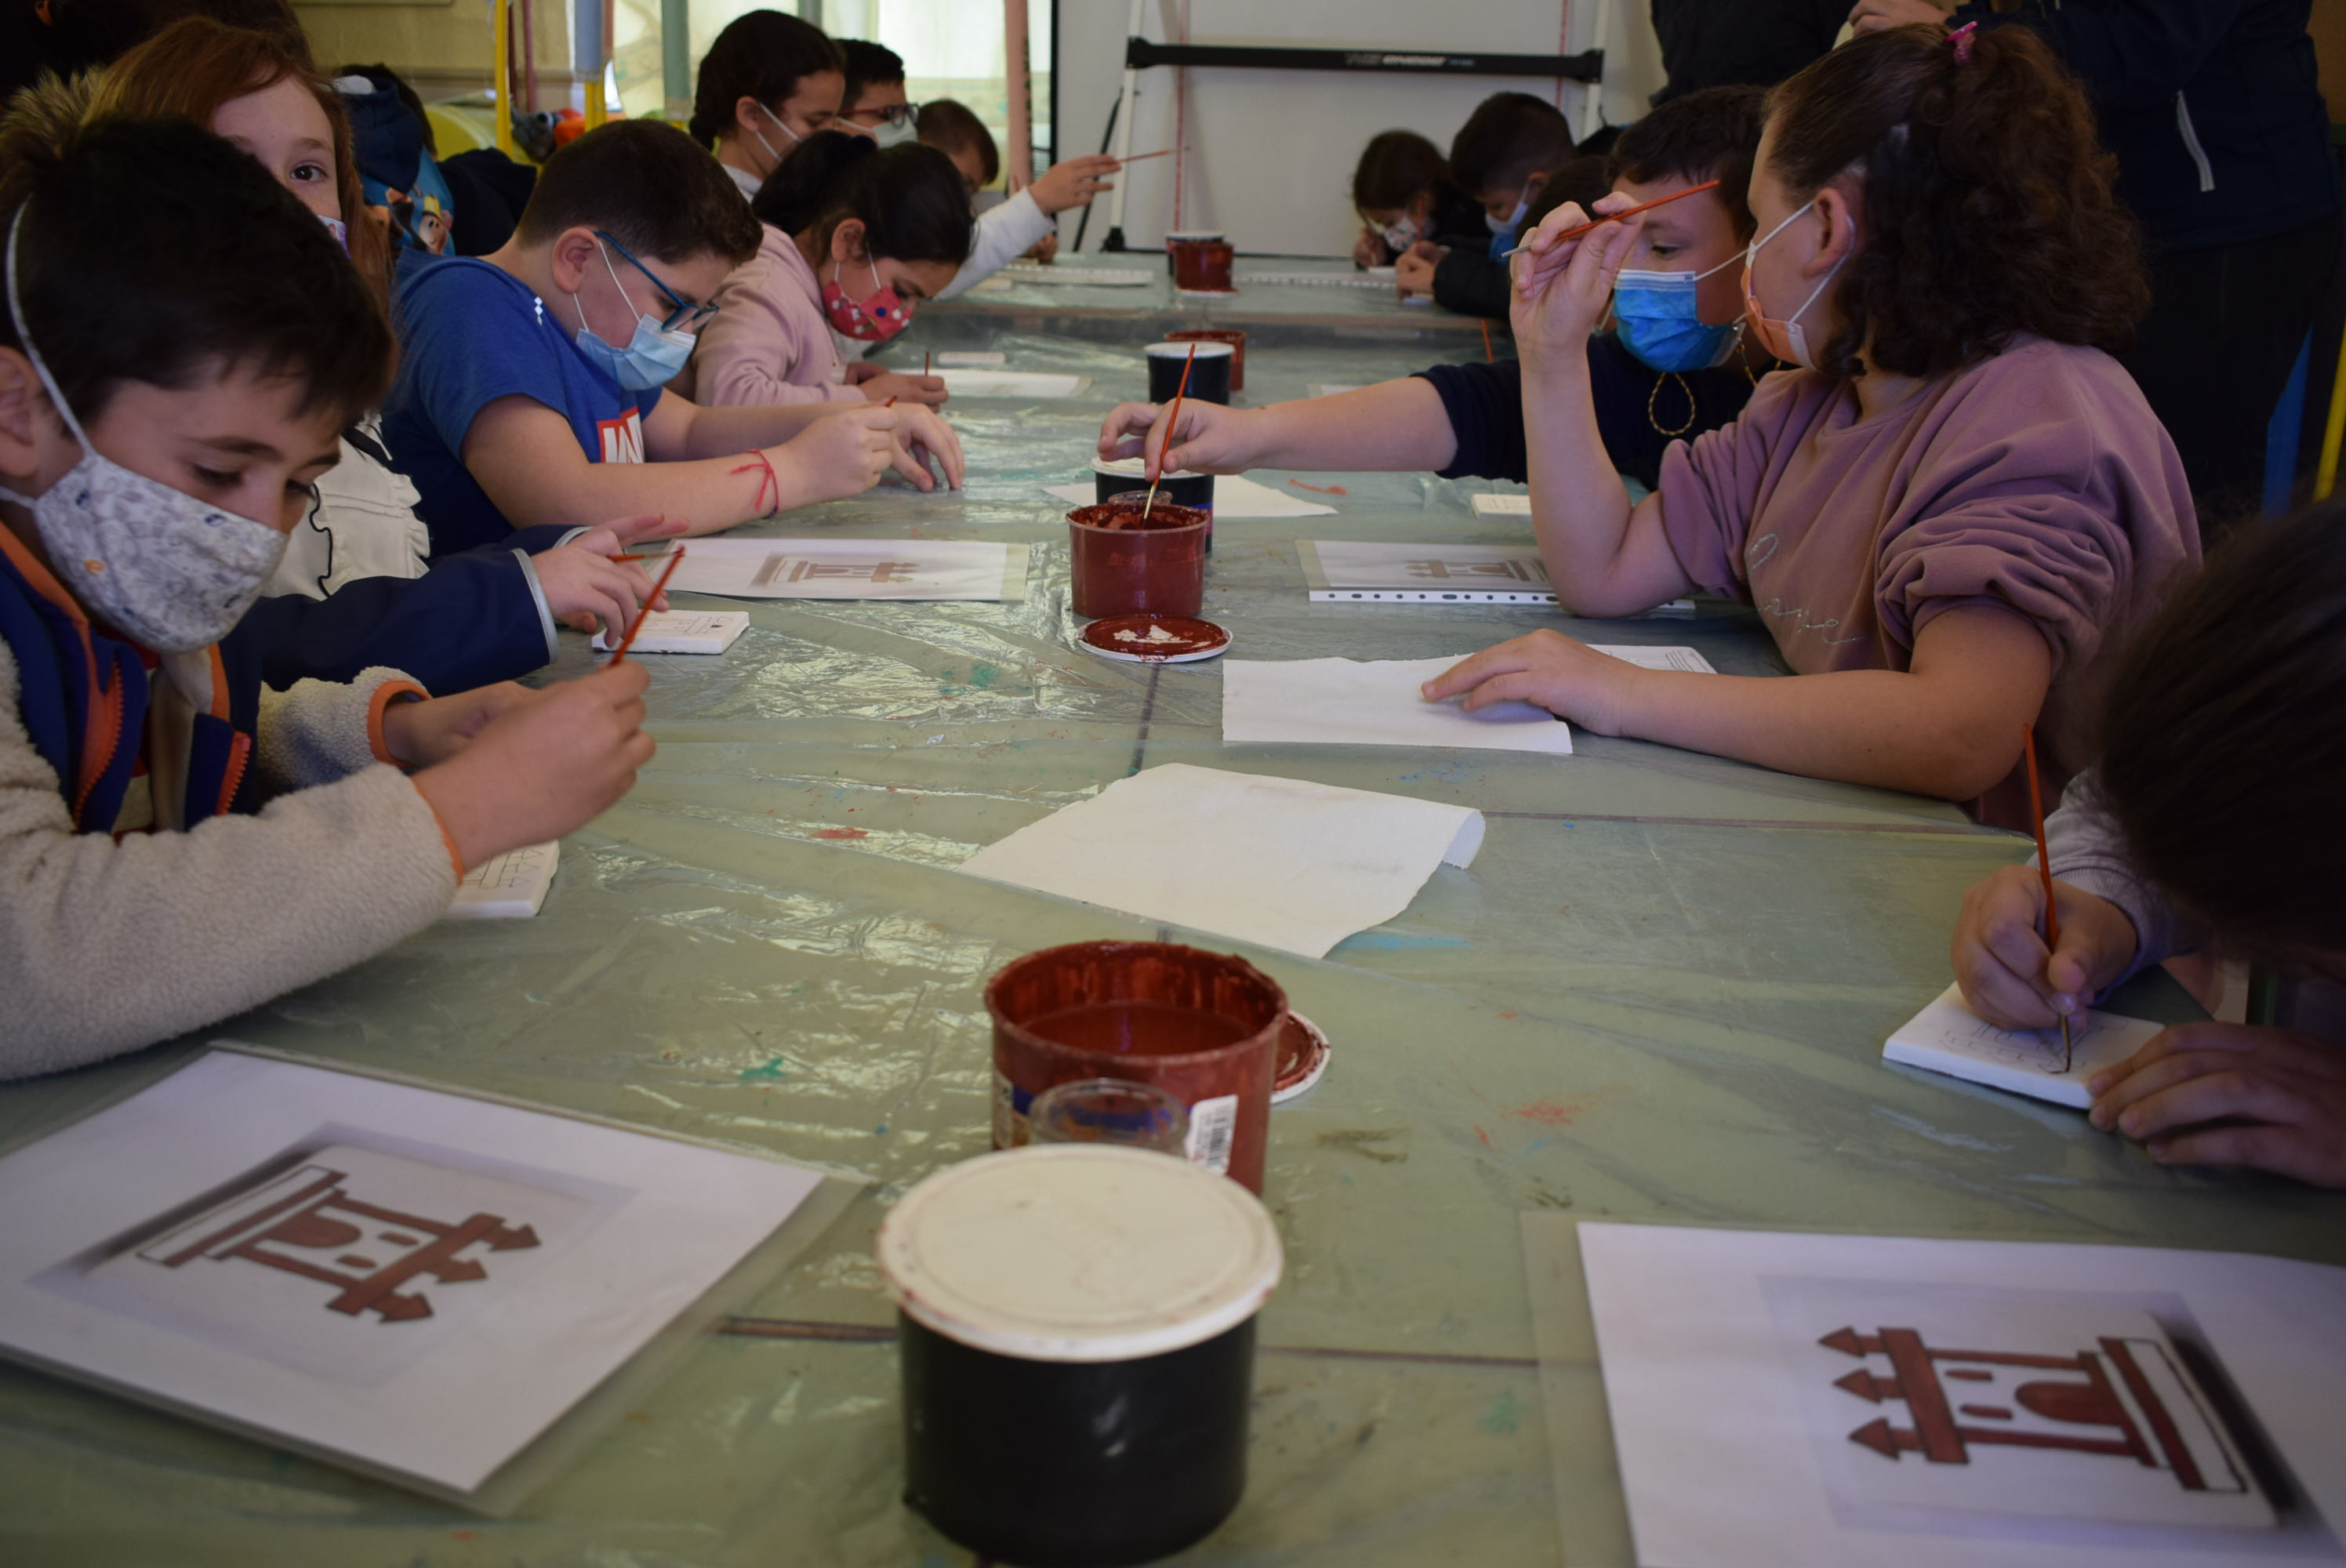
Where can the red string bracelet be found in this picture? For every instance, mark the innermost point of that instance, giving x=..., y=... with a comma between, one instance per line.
x=771, y=484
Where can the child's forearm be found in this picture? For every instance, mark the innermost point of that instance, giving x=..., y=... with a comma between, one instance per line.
x=1580, y=511
x=711, y=494
x=722, y=432
x=1393, y=425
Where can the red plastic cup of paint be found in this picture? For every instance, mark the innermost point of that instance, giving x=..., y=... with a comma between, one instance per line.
x=1203, y=1026
x=1203, y=266
x=1126, y=559
x=1076, y=1335
x=1230, y=335
x=1187, y=237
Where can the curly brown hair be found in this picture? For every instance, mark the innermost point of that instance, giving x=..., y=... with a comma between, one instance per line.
x=1988, y=211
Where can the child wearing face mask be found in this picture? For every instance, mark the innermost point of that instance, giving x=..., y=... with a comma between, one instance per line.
x=178, y=842
x=767, y=84
x=2210, y=822
x=1671, y=368
x=1954, y=507
x=1403, y=192
x=855, y=236
x=350, y=590
x=530, y=388
x=1510, y=148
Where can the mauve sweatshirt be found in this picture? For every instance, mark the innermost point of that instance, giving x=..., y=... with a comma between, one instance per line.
x=770, y=341
x=2038, y=482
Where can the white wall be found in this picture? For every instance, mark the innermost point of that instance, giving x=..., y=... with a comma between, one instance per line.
x=1271, y=153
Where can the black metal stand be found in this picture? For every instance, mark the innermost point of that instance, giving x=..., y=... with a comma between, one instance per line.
x=1585, y=66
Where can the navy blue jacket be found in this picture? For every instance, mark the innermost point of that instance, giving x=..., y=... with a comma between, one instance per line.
x=2210, y=105
x=472, y=619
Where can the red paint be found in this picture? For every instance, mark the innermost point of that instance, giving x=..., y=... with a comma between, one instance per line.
x=1203, y=266
x=1125, y=563
x=843, y=833
x=1320, y=489
x=1482, y=1135
x=1201, y=1025
x=1131, y=634
x=1506, y=1015
x=1561, y=1110
x=1230, y=335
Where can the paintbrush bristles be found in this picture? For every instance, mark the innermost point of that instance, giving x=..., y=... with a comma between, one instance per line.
x=1172, y=419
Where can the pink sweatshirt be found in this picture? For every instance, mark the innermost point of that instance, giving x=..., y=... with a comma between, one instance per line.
x=2039, y=481
x=770, y=341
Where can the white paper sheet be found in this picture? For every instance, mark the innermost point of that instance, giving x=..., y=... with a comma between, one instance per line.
x=1346, y=702
x=1775, y=1398
x=1011, y=383
x=1289, y=864
x=511, y=886
x=1490, y=505
x=1084, y=277
x=326, y=1296
x=1379, y=278
x=833, y=568
x=1949, y=1037
x=1236, y=497
x=1348, y=571
x=683, y=631
x=971, y=357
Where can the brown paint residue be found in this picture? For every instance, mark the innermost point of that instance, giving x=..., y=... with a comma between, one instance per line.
x=1563, y=1110
x=1320, y=489
x=843, y=833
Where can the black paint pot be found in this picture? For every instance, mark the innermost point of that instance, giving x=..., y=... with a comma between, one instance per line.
x=1077, y=1342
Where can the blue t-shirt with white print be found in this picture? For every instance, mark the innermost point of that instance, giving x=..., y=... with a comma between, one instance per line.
x=470, y=333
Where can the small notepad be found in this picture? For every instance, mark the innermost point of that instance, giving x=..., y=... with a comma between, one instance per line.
x=511, y=886
x=684, y=632
x=1949, y=1037
x=1487, y=505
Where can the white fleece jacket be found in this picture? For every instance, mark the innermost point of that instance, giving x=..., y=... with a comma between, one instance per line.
x=107, y=946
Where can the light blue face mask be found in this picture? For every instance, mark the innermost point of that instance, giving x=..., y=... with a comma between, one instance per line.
x=1654, y=314
x=652, y=357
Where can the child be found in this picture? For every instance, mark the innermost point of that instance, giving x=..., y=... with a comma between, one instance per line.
x=1948, y=511
x=158, y=433
x=1510, y=145
x=1026, y=221
x=2211, y=819
x=872, y=100
x=479, y=617
x=1657, y=378
x=530, y=388
x=1403, y=192
x=767, y=84
x=855, y=237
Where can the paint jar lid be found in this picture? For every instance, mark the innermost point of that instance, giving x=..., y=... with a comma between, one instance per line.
x=1134, y=469
x=1207, y=347
x=1079, y=1252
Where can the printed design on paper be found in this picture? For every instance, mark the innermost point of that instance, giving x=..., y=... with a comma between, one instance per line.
x=2125, y=1399
x=1522, y=571
x=783, y=568
x=309, y=1224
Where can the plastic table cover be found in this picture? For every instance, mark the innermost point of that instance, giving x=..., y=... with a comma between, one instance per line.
x=1659, y=992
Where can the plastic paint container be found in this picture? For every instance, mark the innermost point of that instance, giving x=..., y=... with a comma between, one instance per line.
x=1210, y=378
x=1127, y=474
x=1154, y=565
x=1230, y=335
x=1187, y=237
x=1204, y=1026
x=1203, y=266
x=1075, y=1326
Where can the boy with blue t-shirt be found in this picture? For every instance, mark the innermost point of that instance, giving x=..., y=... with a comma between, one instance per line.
x=530, y=380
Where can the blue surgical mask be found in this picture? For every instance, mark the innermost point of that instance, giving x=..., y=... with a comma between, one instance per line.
x=1503, y=235
x=896, y=133
x=1655, y=314
x=652, y=357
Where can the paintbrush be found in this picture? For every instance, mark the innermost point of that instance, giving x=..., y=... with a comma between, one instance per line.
x=1486, y=342
x=676, y=559
x=2045, y=868
x=1624, y=212
x=1172, y=424
x=1160, y=152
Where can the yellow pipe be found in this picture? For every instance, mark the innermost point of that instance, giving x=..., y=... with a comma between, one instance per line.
x=501, y=28
x=2325, y=477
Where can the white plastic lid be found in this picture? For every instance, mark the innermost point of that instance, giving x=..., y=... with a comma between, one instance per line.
x=1079, y=1252
x=1207, y=347
x=1132, y=468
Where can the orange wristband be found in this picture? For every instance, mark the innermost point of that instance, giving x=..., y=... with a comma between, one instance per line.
x=386, y=694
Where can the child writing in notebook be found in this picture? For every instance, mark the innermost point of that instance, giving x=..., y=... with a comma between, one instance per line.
x=1946, y=514
x=529, y=387
x=768, y=83
x=176, y=842
x=352, y=590
x=2210, y=822
x=854, y=237
x=1403, y=193
x=1672, y=367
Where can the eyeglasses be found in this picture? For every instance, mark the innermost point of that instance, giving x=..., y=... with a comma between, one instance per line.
x=894, y=114
x=686, y=315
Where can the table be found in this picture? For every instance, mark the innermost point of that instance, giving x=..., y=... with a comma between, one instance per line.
x=1659, y=992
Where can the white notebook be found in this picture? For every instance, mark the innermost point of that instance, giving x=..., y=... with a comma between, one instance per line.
x=1488, y=506
x=511, y=886
x=1949, y=1037
x=684, y=632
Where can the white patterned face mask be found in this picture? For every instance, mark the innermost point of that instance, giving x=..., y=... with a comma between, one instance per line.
x=168, y=571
